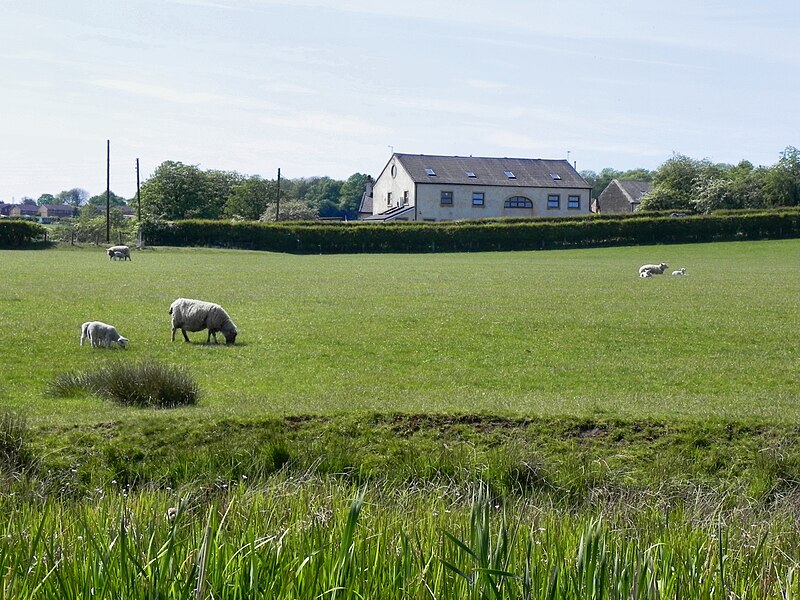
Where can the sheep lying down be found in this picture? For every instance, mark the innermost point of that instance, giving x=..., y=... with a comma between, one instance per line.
x=196, y=315
x=653, y=269
x=101, y=334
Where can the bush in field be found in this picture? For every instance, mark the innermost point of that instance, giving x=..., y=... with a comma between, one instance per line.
x=16, y=454
x=144, y=384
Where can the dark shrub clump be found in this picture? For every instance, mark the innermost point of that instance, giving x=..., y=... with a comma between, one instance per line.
x=144, y=384
x=16, y=454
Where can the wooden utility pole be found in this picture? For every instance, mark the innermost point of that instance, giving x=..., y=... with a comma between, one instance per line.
x=138, y=194
x=278, y=199
x=108, y=191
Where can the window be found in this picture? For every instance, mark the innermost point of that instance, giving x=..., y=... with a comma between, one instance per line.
x=430, y=172
x=389, y=199
x=510, y=174
x=518, y=202
x=446, y=198
x=394, y=170
x=573, y=202
x=470, y=174
x=405, y=197
x=555, y=176
x=553, y=201
x=477, y=198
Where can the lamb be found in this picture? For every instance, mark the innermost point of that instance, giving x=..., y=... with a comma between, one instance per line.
x=124, y=250
x=118, y=256
x=196, y=315
x=654, y=269
x=644, y=274
x=680, y=271
x=101, y=334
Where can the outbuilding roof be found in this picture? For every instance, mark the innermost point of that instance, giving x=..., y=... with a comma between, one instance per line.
x=519, y=172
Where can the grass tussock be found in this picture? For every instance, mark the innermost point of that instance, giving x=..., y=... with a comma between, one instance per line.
x=16, y=454
x=147, y=384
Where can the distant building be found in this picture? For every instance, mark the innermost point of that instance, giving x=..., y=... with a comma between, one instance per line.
x=56, y=211
x=621, y=196
x=23, y=210
x=419, y=187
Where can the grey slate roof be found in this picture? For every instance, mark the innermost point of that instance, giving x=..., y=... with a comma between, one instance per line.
x=528, y=172
x=634, y=189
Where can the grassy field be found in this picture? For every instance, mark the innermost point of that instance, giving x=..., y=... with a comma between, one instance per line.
x=499, y=425
x=565, y=333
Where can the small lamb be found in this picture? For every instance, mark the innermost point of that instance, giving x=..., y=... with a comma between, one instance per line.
x=645, y=274
x=654, y=269
x=124, y=250
x=118, y=256
x=680, y=271
x=101, y=334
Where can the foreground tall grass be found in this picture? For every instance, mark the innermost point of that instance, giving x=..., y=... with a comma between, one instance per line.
x=312, y=538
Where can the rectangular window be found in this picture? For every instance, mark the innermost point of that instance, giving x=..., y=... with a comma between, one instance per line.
x=510, y=174
x=430, y=172
x=477, y=198
x=405, y=197
x=553, y=201
x=573, y=202
x=389, y=199
x=471, y=174
x=446, y=198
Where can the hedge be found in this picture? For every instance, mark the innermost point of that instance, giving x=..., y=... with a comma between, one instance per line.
x=16, y=233
x=473, y=236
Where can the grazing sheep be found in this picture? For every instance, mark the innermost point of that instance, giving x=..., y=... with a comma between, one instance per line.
x=124, y=250
x=654, y=269
x=680, y=271
x=196, y=315
x=101, y=334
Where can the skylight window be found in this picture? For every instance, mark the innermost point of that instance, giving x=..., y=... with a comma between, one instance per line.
x=510, y=174
x=470, y=174
x=555, y=176
x=430, y=172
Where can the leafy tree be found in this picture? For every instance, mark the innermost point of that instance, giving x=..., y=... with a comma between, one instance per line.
x=175, y=191
x=250, y=198
x=28, y=201
x=715, y=193
x=218, y=188
x=73, y=197
x=350, y=194
x=323, y=195
x=46, y=199
x=113, y=200
x=783, y=180
x=291, y=210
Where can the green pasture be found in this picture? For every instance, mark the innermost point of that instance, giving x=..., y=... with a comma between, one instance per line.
x=525, y=334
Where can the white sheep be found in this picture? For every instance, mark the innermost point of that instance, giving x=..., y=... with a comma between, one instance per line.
x=101, y=334
x=680, y=271
x=196, y=315
x=124, y=250
x=644, y=274
x=654, y=269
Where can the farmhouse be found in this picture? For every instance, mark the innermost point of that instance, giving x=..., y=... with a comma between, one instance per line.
x=419, y=187
x=621, y=196
x=56, y=211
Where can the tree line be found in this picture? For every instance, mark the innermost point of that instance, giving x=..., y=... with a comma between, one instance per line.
x=180, y=191
x=687, y=184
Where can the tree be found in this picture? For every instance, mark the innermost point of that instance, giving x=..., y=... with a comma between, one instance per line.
x=323, y=195
x=783, y=180
x=100, y=200
x=250, y=198
x=715, y=193
x=46, y=199
x=73, y=197
x=291, y=210
x=28, y=201
x=350, y=194
x=175, y=191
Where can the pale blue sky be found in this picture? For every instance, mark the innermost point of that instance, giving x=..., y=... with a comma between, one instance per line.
x=329, y=87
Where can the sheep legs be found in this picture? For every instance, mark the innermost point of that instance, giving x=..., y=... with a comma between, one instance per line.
x=183, y=331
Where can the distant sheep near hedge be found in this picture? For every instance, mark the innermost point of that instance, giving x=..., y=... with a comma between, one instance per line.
x=196, y=315
x=101, y=334
x=123, y=250
x=653, y=269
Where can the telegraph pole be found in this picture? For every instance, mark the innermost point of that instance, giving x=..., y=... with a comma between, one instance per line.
x=108, y=191
x=138, y=194
x=278, y=199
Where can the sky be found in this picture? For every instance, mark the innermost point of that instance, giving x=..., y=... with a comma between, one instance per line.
x=333, y=87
